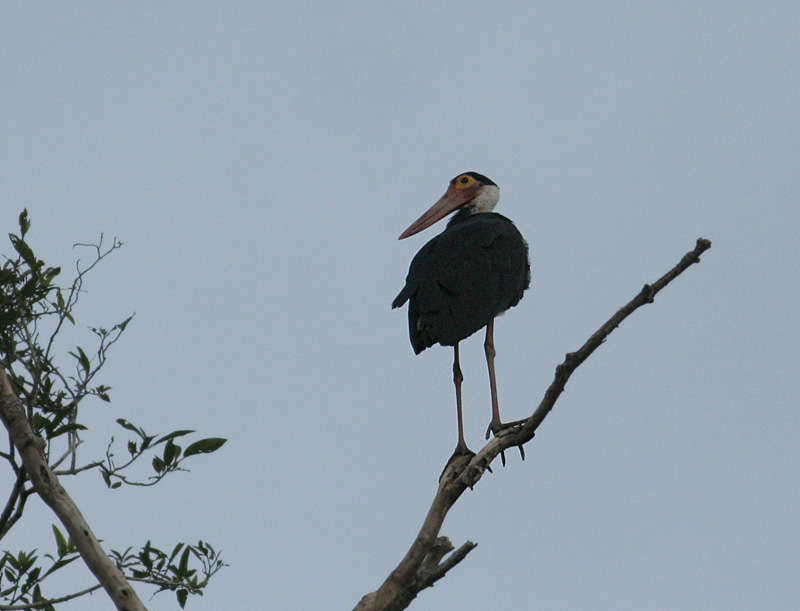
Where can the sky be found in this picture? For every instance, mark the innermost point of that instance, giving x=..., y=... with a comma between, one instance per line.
x=258, y=161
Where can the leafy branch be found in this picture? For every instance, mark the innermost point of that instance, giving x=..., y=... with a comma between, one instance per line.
x=170, y=460
x=39, y=407
x=21, y=578
x=173, y=571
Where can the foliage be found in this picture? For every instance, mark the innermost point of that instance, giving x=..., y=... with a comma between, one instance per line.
x=34, y=312
x=172, y=571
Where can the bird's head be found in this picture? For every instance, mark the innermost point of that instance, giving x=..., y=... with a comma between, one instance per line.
x=471, y=191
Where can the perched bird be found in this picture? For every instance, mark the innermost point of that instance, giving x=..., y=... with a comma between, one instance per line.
x=473, y=271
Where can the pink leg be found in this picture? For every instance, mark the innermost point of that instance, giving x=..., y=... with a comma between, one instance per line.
x=488, y=347
x=461, y=447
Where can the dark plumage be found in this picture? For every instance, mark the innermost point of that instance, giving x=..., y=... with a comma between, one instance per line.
x=473, y=271
x=460, y=280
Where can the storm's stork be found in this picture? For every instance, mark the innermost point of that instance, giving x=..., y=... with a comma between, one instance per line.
x=474, y=270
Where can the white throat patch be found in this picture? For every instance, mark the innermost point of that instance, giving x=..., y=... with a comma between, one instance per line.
x=486, y=200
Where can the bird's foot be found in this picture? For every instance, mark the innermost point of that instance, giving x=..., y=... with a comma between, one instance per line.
x=458, y=461
x=495, y=426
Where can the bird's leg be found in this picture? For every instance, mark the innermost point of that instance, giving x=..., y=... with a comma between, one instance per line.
x=495, y=425
x=458, y=377
x=488, y=348
x=462, y=454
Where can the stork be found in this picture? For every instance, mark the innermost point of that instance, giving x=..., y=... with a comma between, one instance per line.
x=472, y=272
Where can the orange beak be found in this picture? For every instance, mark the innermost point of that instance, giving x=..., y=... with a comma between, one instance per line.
x=452, y=200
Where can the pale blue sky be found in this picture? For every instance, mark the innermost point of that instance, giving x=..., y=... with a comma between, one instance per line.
x=260, y=159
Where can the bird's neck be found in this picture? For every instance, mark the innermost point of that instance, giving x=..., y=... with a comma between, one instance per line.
x=463, y=214
x=485, y=202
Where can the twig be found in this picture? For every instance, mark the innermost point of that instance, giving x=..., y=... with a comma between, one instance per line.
x=462, y=472
x=50, y=601
x=76, y=470
x=15, y=504
x=436, y=573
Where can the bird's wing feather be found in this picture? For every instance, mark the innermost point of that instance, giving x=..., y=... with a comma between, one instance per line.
x=463, y=278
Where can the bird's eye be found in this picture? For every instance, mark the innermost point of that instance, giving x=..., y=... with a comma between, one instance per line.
x=463, y=181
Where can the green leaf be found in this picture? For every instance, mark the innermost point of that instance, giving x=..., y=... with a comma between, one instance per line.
x=178, y=547
x=50, y=273
x=83, y=360
x=40, y=422
x=62, y=562
x=67, y=428
x=158, y=464
x=170, y=452
x=24, y=250
x=182, y=594
x=173, y=435
x=23, y=562
x=131, y=427
x=121, y=326
x=28, y=289
x=102, y=392
x=144, y=556
x=37, y=594
x=184, y=565
x=204, y=446
x=24, y=222
x=61, y=542
x=126, y=425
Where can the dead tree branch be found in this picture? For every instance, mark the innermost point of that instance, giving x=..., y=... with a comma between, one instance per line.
x=423, y=564
x=30, y=447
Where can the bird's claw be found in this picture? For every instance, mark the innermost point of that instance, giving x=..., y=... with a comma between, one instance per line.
x=521, y=453
x=495, y=426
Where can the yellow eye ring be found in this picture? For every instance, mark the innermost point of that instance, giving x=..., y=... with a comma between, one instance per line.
x=463, y=182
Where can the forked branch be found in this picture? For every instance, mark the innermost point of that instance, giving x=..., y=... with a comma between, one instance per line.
x=423, y=563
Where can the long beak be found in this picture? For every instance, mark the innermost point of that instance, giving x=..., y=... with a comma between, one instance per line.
x=452, y=200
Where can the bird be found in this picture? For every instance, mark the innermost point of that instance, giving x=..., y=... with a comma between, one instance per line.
x=462, y=279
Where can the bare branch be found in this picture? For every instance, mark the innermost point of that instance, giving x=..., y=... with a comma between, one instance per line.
x=15, y=504
x=517, y=436
x=416, y=571
x=76, y=470
x=30, y=447
x=427, y=577
x=50, y=601
x=77, y=285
